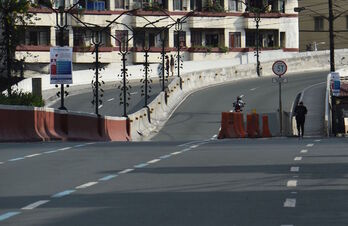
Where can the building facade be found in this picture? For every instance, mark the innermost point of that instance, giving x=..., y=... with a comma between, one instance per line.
x=216, y=29
x=314, y=25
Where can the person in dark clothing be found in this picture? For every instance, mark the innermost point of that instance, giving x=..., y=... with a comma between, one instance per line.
x=300, y=113
x=167, y=65
x=172, y=64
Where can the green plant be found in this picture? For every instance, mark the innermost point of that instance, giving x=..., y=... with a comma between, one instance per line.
x=21, y=98
x=154, y=6
x=223, y=49
x=213, y=6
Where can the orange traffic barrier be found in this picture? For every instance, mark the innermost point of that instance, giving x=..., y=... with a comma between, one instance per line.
x=232, y=125
x=253, y=128
x=265, y=128
x=18, y=125
x=117, y=129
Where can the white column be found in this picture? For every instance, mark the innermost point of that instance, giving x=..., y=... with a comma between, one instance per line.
x=227, y=37
x=71, y=37
x=170, y=5
x=171, y=38
x=53, y=36
x=188, y=38
x=243, y=39
x=111, y=4
x=226, y=5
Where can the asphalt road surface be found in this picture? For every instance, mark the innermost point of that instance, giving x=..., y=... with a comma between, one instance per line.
x=200, y=115
x=111, y=100
x=198, y=181
x=261, y=182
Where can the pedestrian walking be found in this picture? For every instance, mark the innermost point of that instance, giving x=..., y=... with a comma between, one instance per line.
x=167, y=65
x=172, y=64
x=300, y=113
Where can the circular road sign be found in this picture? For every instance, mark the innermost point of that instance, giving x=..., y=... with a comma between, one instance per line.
x=279, y=68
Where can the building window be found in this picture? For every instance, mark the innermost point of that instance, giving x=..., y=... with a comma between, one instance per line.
x=37, y=37
x=65, y=38
x=196, y=38
x=234, y=5
x=196, y=5
x=318, y=23
x=121, y=37
x=282, y=39
x=182, y=39
x=119, y=4
x=177, y=4
x=96, y=5
x=235, y=39
x=212, y=40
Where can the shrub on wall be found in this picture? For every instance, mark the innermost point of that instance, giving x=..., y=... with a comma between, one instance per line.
x=21, y=98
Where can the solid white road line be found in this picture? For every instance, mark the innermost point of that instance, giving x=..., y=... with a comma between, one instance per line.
x=291, y=183
x=304, y=151
x=176, y=153
x=126, y=171
x=295, y=169
x=309, y=145
x=194, y=146
x=290, y=203
x=35, y=205
x=86, y=185
x=154, y=161
x=33, y=155
x=298, y=158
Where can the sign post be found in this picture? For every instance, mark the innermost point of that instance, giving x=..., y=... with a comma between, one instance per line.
x=279, y=68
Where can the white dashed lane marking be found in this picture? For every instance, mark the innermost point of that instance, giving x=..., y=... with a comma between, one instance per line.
x=295, y=169
x=126, y=171
x=290, y=203
x=304, y=151
x=310, y=145
x=142, y=165
x=86, y=185
x=153, y=161
x=35, y=205
x=64, y=149
x=291, y=183
x=298, y=158
x=16, y=159
x=111, y=99
x=176, y=153
x=33, y=155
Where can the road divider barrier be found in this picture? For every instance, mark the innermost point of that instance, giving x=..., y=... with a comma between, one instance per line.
x=20, y=123
x=253, y=128
x=232, y=126
x=265, y=127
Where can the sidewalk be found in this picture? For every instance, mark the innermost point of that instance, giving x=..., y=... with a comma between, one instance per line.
x=314, y=99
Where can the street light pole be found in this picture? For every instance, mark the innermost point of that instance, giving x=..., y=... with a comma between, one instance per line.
x=178, y=29
x=61, y=25
x=257, y=20
x=332, y=42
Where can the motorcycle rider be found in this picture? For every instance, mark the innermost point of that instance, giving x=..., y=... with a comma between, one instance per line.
x=238, y=104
